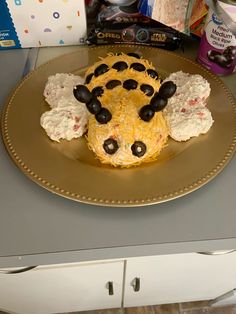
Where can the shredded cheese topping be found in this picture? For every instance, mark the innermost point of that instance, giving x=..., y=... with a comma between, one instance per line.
x=126, y=126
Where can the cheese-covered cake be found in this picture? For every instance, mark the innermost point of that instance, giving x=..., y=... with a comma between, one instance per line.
x=125, y=98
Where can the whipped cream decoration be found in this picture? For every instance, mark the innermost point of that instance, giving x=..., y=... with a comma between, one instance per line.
x=65, y=122
x=189, y=123
x=68, y=118
x=60, y=86
x=185, y=113
x=192, y=89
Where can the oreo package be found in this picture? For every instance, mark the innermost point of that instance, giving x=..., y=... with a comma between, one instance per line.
x=121, y=14
x=152, y=34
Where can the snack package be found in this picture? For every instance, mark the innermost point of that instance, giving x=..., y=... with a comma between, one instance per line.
x=149, y=33
x=121, y=14
x=175, y=14
x=197, y=28
x=92, y=8
x=120, y=2
x=198, y=17
x=199, y=10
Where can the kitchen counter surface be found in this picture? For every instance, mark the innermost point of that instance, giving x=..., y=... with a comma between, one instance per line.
x=38, y=227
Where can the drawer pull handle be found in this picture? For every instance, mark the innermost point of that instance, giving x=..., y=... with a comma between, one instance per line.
x=110, y=288
x=223, y=252
x=136, y=284
x=16, y=271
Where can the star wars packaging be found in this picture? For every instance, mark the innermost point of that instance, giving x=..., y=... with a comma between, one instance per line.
x=125, y=24
x=150, y=33
x=30, y=23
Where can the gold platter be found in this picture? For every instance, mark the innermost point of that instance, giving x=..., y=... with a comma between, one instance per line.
x=71, y=170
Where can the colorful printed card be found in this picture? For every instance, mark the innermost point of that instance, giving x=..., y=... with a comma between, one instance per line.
x=35, y=23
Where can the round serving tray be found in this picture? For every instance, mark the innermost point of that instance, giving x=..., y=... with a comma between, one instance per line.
x=71, y=170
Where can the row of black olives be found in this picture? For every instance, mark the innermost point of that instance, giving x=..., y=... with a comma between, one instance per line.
x=82, y=94
x=127, y=84
x=103, y=68
x=120, y=66
x=103, y=115
x=111, y=146
x=158, y=101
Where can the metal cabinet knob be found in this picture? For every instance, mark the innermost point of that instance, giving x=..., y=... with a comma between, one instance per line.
x=136, y=284
x=110, y=288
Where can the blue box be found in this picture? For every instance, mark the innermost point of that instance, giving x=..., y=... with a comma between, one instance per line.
x=36, y=23
x=8, y=35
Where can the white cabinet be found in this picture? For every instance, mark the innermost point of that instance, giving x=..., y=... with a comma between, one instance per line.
x=84, y=286
x=178, y=278
x=62, y=288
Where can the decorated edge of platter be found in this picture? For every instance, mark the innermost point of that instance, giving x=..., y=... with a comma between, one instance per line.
x=71, y=170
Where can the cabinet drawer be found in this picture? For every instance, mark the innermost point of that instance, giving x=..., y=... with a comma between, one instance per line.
x=62, y=288
x=179, y=278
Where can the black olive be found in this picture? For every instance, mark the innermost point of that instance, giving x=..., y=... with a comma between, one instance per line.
x=82, y=93
x=211, y=54
x=101, y=69
x=97, y=91
x=130, y=84
x=103, y=116
x=147, y=89
x=158, y=103
x=110, y=146
x=88, y=78
x=146, y=113
x=112, y=84
x=229, y=57
x=230, y=50
x=229, y=53
x=167, y=89
x=138, y=149
x=153, y=74
x=118, y=54
x=223, y=61
x=120, y=66
x=133, y=54
x=138, y=67
x=94, y=106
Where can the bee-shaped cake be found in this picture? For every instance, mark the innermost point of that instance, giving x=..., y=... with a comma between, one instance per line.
x=125, y=98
